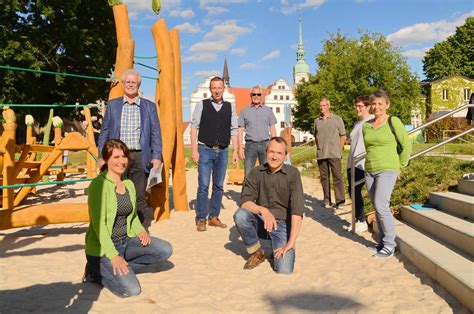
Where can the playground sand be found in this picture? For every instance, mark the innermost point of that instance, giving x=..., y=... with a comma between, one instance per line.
x=41, y=268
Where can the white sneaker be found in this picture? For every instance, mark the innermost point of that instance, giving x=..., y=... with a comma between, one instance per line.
x=361, y=226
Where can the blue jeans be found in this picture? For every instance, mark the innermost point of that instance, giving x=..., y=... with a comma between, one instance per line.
x=137, y=256
x=380, y=186
x=211, y=161
x=251, y=228
x=252, y=151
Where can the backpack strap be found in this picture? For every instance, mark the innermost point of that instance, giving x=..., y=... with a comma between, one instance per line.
x=390, y=124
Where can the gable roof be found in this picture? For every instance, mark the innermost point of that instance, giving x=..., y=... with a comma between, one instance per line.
x=242, y=96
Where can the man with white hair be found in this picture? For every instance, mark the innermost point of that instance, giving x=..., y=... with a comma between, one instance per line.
x=134, y=120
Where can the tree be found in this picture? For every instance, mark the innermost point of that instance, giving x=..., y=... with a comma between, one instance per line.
x=73, y=36
x=349, y=67
x=453, y=56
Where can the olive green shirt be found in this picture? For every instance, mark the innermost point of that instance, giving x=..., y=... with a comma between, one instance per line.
x=328, y=133
x=281, y=192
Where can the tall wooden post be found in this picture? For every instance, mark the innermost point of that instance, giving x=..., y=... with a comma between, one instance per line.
x=160, y=197
x=180, y=199
x=8, y=171
x=125, y=49
x=91, y=163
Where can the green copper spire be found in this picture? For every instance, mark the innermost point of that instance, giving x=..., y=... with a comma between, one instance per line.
x=301, y=66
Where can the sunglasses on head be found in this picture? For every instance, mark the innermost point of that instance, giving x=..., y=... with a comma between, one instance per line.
x=255, y=94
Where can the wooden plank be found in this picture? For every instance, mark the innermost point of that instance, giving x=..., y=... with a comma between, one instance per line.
x=43, y=214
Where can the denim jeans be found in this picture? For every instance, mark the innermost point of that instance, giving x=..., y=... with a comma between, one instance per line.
x=137, y=257
x=251, y=228
x=380, y=186
x=358, y=199
x=211, y=162
x=252, y=151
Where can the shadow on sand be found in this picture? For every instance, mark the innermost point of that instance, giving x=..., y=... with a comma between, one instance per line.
x=315, y=210
x=55, y=297
x=24, y=237
x=313, y=302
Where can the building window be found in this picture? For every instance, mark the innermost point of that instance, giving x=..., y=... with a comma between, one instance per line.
x=275, y=97
x=277, y=109
x=445, y=94
x=204, y=95
x=281, y=97
x=467, y=93
x=282, y=124
x=287, y=97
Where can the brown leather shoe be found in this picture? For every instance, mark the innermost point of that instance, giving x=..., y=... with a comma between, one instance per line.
x=254, y=260
x=215, y=222
x=201, y=225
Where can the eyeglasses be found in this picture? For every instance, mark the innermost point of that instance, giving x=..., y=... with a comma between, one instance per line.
x=361, y=106
x=255, y=94
x=130, y=82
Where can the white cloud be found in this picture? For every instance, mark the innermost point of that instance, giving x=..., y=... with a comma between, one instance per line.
x=292, y=6
x=248, y=66
x=423, y=32
x=272, y=55
x=221, y=37
x=294, y=46
x=188, y=28
x=415, y=53
x=207, y=73
x=238, y=51
x=184, y=14
x=212, y=10
x=200, y=57
x=203, y=3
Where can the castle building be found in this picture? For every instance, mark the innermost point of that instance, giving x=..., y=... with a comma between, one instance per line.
x=279, y=96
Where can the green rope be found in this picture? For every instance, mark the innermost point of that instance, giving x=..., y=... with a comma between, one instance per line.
x=138, y=57
x=54, y=73
x=50, y=105
x=151, y=78
x=16, y=186
x=63, y=73
x=146, y=66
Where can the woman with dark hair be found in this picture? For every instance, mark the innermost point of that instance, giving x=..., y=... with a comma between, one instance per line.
x=362, y=108
x=117, y=245
x=388, y=150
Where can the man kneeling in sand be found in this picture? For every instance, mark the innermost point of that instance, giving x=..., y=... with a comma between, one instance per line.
x=271, y=206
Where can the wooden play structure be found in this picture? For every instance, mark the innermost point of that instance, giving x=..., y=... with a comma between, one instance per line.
x=22, y=168
x=25, y=171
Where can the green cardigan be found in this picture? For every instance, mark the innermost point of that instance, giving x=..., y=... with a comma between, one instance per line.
x=381, y=146
x=102, y=203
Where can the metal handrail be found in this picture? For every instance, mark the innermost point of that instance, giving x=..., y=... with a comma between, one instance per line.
x=361, y=156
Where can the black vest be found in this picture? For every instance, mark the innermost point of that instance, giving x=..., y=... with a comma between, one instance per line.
x=214, y=127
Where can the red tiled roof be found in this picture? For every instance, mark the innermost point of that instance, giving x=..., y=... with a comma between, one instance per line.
x=242, y=96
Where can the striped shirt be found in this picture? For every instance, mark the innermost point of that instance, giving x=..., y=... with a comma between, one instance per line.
x=130, y=125
x=124, y=208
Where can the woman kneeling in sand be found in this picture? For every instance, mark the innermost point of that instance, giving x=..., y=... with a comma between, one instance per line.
x=117, y=245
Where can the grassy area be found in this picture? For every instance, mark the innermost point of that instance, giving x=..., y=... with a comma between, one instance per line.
x=456, y=149
x=423, y=175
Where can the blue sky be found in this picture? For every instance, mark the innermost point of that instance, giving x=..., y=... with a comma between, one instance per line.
x=259, y=37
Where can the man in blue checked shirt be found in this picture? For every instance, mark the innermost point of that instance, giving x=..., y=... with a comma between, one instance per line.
x=134, y=120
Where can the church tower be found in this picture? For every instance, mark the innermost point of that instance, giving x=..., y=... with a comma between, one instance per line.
x=301, y=68
x=225, y=74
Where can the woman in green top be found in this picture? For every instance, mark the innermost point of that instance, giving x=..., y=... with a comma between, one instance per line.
x=383, y=162
x=117, y=245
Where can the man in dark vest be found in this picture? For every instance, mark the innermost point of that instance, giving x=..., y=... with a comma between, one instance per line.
x=216, y=121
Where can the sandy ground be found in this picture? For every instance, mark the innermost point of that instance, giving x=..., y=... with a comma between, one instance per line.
x=41, y=268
